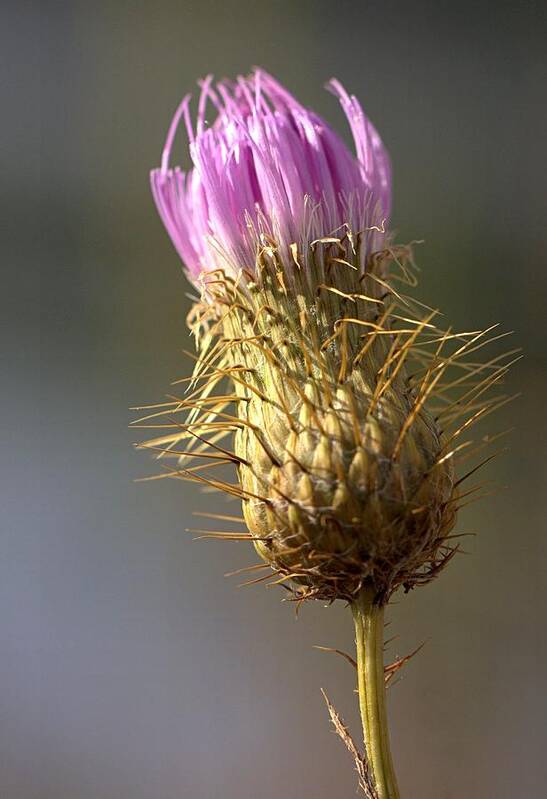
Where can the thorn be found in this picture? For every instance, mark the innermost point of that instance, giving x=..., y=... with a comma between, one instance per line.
x=391, y=670
x=345, y=655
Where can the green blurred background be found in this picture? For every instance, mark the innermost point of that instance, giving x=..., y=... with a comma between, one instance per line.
x=130, y=668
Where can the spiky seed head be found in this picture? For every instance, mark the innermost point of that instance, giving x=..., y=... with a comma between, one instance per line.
x=340, y=465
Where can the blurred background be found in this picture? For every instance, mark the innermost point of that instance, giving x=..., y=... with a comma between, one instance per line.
x=130, y=667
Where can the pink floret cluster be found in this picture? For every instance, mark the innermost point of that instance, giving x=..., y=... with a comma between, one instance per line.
x=269, y=171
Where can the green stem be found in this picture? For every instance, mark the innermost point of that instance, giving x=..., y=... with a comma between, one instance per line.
x=369, y=636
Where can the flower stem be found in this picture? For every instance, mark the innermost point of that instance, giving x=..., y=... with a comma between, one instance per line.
x=369, y=636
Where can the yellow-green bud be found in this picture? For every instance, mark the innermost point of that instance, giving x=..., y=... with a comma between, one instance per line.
x=340, y=464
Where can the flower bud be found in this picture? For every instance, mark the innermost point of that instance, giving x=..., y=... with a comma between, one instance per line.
x=341, y=469
x=342, y=400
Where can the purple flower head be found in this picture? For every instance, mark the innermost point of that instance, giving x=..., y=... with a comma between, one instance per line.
x=268, y=170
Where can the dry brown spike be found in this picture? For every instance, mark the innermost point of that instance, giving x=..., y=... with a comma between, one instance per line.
x=366, y=781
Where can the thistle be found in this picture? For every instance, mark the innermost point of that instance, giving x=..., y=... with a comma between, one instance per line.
x=341, y=404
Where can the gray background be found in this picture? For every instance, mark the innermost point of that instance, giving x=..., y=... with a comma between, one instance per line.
x=130, y=668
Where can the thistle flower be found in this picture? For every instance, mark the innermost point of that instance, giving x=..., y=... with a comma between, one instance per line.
x=334, y=394
x=267, y=169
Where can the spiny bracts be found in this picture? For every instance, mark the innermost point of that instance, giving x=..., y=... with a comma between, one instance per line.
x=341, y=406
